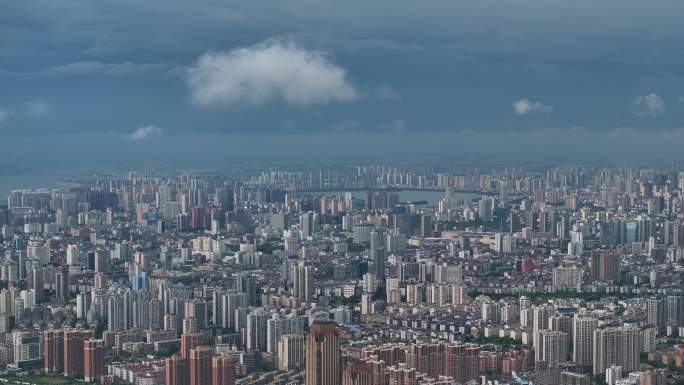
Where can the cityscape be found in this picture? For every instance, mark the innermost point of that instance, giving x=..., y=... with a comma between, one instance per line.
x=357, y=275
x=325, y=192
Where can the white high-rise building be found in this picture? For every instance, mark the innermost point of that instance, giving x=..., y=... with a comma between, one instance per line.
x=257, y=325
x=583, y=340
x=302, y=282
x=615, y=346
x=291, y=352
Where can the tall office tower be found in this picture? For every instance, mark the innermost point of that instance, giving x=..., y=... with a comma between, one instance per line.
x=199, y=311
x=217, y=307
x=189, y=341
x=583, y=340
x=675, y=309
x=102, y=260
x=278, y=326
x=26, y=346
x=230, y=302
x=257, y=326
x=370, y=283
x=73, y=351
x=185, y=203
x=657, y=314
x=308, y=224
x=425, y=226
x=510, y=313
x=224, y=197
x=53, y=351
x=62, y=282
x=73, y=255
x=200, y=365
x=357, y=373
x=553, y=347
x=378, y=253
x=395, y=241
x=595, y=264
x=175, y=371
x=678, y=234
x=540, y=321
x=323, y=356
x=379, y=256
x=115, y=313
x=82, y=304
x=197, y=217
x=222, y=371
x=35, y=282
x=302, y=282
x=93, y=365
x=163, y=195
x=485, y=209
x=605, y=266
x=462, y=361
x=376, y=240
x=291, y=352
x=616, y=346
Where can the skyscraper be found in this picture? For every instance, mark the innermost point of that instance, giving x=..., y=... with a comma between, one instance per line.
x=62, y=282
x=583, y=340
x=197, y=310
x=615, y=345
x=53, y=351
x=35, y=282
x=485, y=209
x=302, y=282
x=200, y=365
x=257, y=330
x=73, y=351
x=93, y=365
x=323, y=357
x=175, y=371
x=657, y=314
x=189, y=341
x=222, y=371
x=378, y=253
x=462, y=361
x=605, y=266
x=553, y=346
x=291, y=352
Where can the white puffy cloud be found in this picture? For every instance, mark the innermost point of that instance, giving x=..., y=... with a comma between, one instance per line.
x=272, y=70
x=650, y=105
x=37, y=107
x=526, y=106
x=143, y=133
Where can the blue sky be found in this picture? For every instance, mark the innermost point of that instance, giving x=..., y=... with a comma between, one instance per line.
x=216, y=81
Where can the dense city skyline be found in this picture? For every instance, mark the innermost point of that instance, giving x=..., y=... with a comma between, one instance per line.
x=354, y=275
x=321, y=192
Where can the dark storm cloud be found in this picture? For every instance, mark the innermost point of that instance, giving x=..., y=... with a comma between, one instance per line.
x=491, y=67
